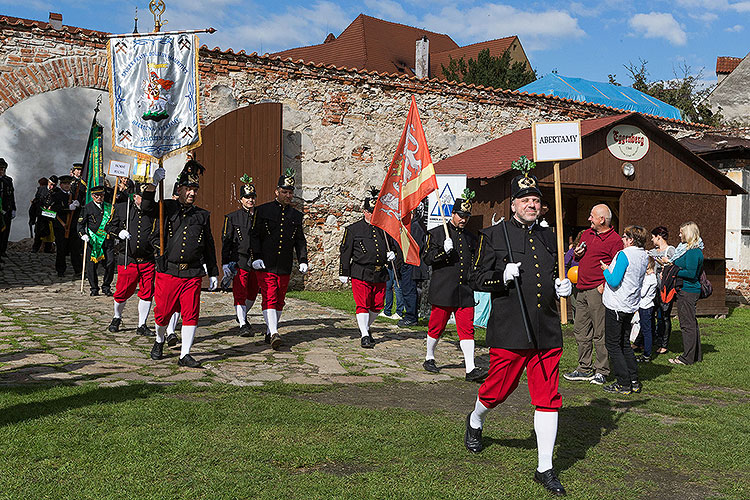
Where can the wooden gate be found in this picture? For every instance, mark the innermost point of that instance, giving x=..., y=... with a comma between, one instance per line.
x=244, y=141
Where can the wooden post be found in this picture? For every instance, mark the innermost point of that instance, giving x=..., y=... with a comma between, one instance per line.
x=114, y=195
x=83, y=266
x=442, y=216
x=560, y=241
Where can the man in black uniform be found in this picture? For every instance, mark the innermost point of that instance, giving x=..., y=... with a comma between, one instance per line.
x=67, y=207
x=236, y=256
x=532, y=265
x=188, y=247
x=100, y=248
x=276, y=234
x=134, y=222
x=364, y=257
x=450, y=287
x=8, y=199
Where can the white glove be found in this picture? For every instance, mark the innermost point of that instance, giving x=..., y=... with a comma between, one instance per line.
x=258, y=264
x=213, y=283
x=343, y=279
x=123, y=235
x=563, y=288
x=85, y=237
x=159, y=175
x=74, y=205
x=303, y=268
x=390, y=256
x=13, y=214
x=512, y=270
x=448, y=245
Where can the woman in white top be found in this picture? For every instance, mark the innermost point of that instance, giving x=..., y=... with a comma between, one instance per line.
x=623, y=280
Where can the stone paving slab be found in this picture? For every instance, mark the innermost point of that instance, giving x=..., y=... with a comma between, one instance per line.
x=50, y=332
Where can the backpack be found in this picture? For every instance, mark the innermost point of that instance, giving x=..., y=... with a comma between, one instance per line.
x=670, y=283
x=706, y=288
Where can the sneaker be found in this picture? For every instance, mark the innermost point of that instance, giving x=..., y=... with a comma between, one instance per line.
x=635, y=386
x=430, y=366
x=598, y=379
x=157, y=351
x=383, y=314
x=397, y=316
x=643, y=358
x=144, y=330
x=276, y=342
x=114, y=325
x=404, y=323
x=576, y=375
x=246, y=331
x=476, y=375
x=616, y=388
x=188, y=361
x=171, y=340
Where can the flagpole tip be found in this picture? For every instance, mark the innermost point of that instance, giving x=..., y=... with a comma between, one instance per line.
x=211, y=30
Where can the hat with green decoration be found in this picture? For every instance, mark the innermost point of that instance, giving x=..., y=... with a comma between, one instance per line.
x=248, y=189
x=462, y=205
x=286, y=181
x=525, y=184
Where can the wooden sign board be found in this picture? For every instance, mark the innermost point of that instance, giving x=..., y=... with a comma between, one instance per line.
x=119, y=168
x=557, y=141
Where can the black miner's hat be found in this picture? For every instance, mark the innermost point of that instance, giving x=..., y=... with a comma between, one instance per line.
x=371, y=199
x=189, y=175
x=248, y=191
x=524, y=185
x=98, y=189
x=462, y=207
x=65, y=179
x=286, y=181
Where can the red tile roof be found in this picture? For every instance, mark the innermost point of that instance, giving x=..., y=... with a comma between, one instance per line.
x=725, y=65
x=493, y=158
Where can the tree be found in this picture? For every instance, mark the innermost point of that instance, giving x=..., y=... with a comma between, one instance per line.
x=681, y=92
x=491, y=71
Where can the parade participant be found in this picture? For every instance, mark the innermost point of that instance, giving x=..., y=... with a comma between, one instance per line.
x=75, y=171
x=365, y=257
x=44, y=233
x=134, y=222
x=100, y=249
x=7, y=206
x=125, y=188
x=236, y=255
x=451, y=289
x=276, y=234
x=530, y=265
x=188, y=246
x=65, y=209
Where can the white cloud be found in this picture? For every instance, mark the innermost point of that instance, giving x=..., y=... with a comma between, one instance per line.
x=537, y=29
x=735, y=29
x=390, y=11
x=706, y=17
x=659, y=25
x=740, y=6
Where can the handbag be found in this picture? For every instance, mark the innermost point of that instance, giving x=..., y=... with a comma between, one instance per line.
x=706, y=288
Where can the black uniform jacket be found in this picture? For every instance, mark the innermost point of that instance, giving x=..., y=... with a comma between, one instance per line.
x=235, y=239
x=534, y=247
x=91, y=218
x=451, y=284
x=60, y=201
x=8, y=195
x=141, y=226
x=364, y=252
x=277, y=232
x=188, y=242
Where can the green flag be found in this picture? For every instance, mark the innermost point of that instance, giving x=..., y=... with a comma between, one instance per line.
x=93, y=170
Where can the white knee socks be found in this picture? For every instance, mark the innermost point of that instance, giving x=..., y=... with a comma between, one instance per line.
x=467, y=347
x=431, y=344
x=188, y=335
x=363, y=321
x=144, y=307
x=545, y=426
x=160, y=333
x=172, y=326
x=477, y=416
x=272, y=320
x=119, y=307
x=241, y=314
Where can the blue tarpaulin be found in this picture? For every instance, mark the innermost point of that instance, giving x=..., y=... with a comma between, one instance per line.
x=606, y=94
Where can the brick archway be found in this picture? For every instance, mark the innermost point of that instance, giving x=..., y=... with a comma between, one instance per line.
x=53, y=74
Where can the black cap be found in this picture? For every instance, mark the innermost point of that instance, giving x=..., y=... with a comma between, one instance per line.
x=286, y=181
x=100, y=189
x=3, y=163
x=65, y=178
x=462, y=207
x=53, y=179
x=77, y=166
x=524, y=185
x=189, y=175
x=247, y=191
x=371, y=199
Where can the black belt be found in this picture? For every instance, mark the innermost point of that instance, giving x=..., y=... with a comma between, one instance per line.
x=174, y=266
x=142, y=260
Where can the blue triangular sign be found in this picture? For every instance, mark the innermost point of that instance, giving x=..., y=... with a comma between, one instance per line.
x=448, y=201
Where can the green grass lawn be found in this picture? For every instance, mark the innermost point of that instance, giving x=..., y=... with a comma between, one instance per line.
x=684, y=437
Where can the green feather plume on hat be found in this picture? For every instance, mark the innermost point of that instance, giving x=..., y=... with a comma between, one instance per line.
x=289, y=172
x=468, y=194
x=524, y=165
x=246, y=179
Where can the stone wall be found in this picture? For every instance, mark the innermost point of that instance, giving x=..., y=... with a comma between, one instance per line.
x=341, y=126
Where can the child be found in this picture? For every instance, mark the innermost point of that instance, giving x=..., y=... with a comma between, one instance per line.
x=646, y=310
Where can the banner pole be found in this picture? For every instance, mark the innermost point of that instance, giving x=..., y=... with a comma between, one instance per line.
x=161, y=212
x=114, y=195
x=560, y=242
x=442, y=216
x=393, y=266
x=83, y=265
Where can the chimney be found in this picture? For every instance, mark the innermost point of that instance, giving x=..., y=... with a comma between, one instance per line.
x=55, y=20
x=422, y=58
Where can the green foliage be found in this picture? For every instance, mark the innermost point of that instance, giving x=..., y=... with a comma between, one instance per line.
x=681, y=92
x=491, y=71
x=246, y=179
x=523, y=165
x=289, y=172
x=468, y=194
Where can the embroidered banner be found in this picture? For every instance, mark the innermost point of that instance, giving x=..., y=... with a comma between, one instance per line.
x=153, y=93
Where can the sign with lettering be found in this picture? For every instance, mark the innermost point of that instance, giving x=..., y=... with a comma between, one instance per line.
x=627, y=142
x=556, y=141
x=119, y=168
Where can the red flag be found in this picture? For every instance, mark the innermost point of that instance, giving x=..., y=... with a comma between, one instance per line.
x=410, y=178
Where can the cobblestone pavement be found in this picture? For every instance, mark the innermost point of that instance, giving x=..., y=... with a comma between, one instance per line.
x=50, y=332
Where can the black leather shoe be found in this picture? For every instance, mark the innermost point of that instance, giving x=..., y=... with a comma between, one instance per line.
x=188, y=361
x=430, y=366
x=476, y=375
x=267, y=338
x=367, y=342
x=107, y=292
x=145, y=331
x=275, y=341
x=171, y=340
x=472, y=437
x=61, y=274
x=549, y=480
x=157, y=351
x=246, y=331
x=114, y=325
x=94, y=293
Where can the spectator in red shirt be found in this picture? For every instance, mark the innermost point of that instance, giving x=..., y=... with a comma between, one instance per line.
x=599, y=244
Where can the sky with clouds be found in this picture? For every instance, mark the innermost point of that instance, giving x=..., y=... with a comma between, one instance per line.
x=587, y=39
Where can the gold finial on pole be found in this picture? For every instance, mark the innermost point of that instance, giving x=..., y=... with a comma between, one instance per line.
x=157, y=8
